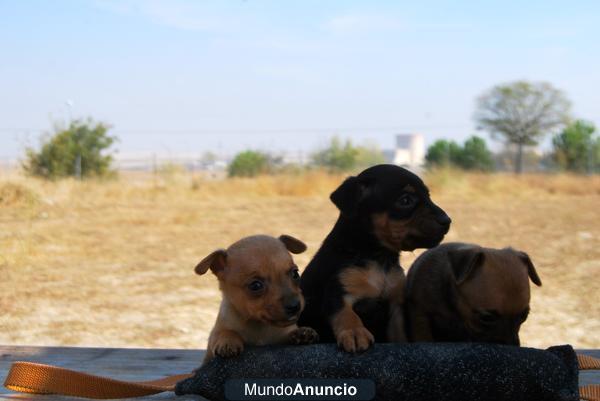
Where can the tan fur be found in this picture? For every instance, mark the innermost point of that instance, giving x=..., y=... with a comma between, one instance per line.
x=395, y=234
x=349, y=330
x=390, y=232
x=502, y=283
x=254, y=318
x=371, y=281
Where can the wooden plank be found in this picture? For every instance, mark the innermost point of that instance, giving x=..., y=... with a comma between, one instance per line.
x=130, y=364
x=136, y=365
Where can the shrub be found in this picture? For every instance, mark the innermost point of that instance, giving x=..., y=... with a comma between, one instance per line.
x=472, y=155
x=443, y=153
x=368, y=155
x=475, y=155
x=577, y=147
x=343, y=156
x=249, y=163
x=79, y=150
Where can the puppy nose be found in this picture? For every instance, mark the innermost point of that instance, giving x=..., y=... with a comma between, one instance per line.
x=292, y=308
x=443, y=219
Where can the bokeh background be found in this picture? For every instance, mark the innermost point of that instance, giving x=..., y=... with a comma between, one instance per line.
x=138, y=136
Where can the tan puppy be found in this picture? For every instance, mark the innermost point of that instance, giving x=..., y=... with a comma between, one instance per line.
x=261, y=295
x=463, y=292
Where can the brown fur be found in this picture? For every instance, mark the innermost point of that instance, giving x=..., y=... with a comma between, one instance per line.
x=393, y=233
x=502, y=284
x=349, y=331
x=477, y=280
x=390, y=232
x=250, y=316
x=371, y=282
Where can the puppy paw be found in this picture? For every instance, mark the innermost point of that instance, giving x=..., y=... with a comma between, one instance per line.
x=356, y=339
x=304, y=335
x=228, y=347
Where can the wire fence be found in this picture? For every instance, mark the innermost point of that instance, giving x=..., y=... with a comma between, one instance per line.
x=156, y=163
x=504, y=161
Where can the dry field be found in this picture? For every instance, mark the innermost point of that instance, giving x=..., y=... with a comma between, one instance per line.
x=111, y=263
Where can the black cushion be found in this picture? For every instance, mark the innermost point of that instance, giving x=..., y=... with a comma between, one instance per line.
x=411, y=372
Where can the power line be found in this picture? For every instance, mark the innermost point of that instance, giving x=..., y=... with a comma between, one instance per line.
x=193, y=131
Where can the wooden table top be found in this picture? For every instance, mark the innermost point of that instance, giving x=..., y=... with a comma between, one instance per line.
x=134, y=364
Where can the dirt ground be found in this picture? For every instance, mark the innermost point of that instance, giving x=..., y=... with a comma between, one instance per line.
x=111, y=263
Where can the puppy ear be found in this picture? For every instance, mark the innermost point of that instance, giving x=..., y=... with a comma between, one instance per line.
x=215, y=261
x=464, y=262
x=292, y=244
x=348, y=195
x=530, y=268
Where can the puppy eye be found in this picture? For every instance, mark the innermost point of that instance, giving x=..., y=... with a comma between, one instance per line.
x=256, y=286
x=405, y=201
x=488, y=317
x=295, y=274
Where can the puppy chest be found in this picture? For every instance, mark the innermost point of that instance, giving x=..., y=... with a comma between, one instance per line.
x=372, y=281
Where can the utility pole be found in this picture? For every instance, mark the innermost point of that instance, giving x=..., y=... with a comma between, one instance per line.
x=590, y=157
x=69, y=104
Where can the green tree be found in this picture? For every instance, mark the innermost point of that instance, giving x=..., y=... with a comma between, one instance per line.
x=79, y=150
x=337, y=156
x=522, y=112
x=341, y=155
x=576, y=147
x=475, y=155
x=249, y=163
x=596, y=155
x=472, y=155
x=368, y=155
x=443, y=153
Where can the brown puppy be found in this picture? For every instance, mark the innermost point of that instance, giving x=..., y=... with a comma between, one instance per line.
x=464, y=292
x=261, y=295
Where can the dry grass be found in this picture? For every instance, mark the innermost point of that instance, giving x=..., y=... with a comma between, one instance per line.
x=110, y=263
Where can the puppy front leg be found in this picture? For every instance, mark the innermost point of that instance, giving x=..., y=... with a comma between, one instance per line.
x=420, y=326
x=396, y=332
x=349, y=331
x=225, y=343
x=303, y=335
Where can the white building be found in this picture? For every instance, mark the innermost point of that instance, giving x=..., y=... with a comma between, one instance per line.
x=410, y=151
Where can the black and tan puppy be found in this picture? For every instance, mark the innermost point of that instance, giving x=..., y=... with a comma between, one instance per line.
x=463, y=292
x=354, y=285
x=261, y=295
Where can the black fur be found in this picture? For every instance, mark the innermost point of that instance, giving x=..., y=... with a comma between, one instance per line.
x=352, y=242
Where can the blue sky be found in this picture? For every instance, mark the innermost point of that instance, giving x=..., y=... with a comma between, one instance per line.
x=189, y=76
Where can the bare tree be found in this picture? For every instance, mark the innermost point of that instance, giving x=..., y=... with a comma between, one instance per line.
x=522, y=113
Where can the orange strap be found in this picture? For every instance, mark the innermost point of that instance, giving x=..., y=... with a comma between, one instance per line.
x=587, y=362
x=29, y=377
x=591, y=392
x=36, y=378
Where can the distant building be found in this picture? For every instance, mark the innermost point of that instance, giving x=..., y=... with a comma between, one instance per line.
x=300, y=158
x=409, y=151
